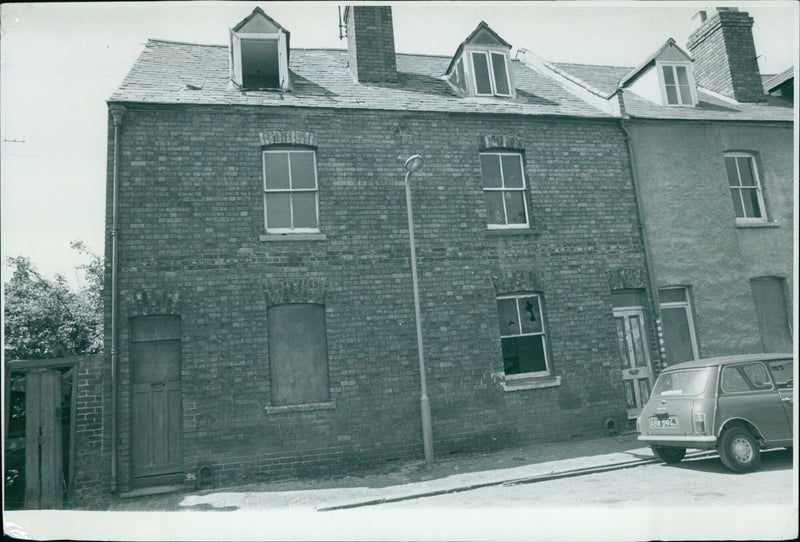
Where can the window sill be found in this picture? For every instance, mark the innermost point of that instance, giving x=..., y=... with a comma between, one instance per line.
x=532, y=383
x=305, y=407
x=510, y=231
x=270, y=237
x=757, y=224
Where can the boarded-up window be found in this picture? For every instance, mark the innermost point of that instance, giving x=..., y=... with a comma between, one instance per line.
x=298, y=354
x=773, y=318
x=676, y=316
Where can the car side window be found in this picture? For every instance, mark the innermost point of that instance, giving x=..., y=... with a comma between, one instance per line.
x=782, y=371
x=746, y=377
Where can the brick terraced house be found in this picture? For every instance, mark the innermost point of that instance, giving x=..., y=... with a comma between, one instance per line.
x=260, y=321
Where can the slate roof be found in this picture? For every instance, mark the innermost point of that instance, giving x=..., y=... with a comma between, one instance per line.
x=183, y=73
x=710, y=106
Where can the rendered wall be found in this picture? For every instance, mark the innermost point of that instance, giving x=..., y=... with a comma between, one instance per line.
x=691, y=224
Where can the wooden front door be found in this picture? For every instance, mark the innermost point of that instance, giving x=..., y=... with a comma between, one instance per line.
x=634, y=357
x=156, y=403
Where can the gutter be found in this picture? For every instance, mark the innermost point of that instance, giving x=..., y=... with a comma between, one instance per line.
x=117, y=112
x=648, y=256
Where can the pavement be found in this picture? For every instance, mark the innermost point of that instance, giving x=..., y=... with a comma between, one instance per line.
x=411, y=479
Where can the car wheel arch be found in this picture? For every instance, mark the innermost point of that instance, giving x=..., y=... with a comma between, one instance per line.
x=739, y=422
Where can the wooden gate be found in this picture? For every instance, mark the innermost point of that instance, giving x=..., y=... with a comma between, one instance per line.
x=45, y=480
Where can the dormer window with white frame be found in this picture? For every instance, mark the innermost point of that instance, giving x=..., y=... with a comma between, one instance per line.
x=480, y=66
x=677, y=83
x=259, y=54
x=665, y=78
x=490, y=70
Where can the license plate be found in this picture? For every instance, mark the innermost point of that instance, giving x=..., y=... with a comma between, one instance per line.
x=671, y=422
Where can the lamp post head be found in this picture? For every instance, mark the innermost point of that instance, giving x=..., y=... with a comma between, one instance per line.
x=414, y=163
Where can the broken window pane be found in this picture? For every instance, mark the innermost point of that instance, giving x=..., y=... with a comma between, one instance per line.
x=507, y=315
x=530, y=314
x=522, y=334
x=523, y=355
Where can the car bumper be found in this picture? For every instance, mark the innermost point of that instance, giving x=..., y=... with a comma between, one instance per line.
x=681, y=441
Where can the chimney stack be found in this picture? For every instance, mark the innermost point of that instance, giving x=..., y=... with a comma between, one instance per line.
x=725, y=56
x=370, y=42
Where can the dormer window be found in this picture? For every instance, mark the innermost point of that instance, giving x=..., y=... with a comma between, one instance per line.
x=491, y=73
x=666, y=77
x=259, y=53
x=676, y=85
x=480, y=65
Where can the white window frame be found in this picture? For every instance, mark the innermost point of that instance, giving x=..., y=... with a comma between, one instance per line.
x=488, y=53
x=687, y=306
x=543, y=334
x=662, y=84
x=236, y=62
x=290, y=190
x=757, y=178
x=523, y=190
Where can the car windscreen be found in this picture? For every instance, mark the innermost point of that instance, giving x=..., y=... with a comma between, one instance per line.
x=688, y=382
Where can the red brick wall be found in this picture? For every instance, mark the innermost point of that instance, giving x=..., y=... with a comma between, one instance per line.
x=190, y=217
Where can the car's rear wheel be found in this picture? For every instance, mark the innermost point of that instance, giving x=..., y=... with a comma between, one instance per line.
x=739, y=450
x=667, y=454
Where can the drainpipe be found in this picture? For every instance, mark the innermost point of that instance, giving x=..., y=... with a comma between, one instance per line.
x=117, y=112
x=648, y=257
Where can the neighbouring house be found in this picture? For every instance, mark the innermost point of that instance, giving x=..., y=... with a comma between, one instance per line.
x=713, y=154
x=260, y=316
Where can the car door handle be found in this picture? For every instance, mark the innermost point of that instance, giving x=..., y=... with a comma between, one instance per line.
x=787, y=399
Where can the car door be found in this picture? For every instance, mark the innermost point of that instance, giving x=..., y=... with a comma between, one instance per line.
x=782, y=371
x=748, y=393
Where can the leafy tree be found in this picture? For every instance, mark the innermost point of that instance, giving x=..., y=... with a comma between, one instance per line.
x=48, y=318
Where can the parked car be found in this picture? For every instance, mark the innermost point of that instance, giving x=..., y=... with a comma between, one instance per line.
x=737, y=405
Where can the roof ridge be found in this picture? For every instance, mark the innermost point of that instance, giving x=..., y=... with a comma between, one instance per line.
x=593, y=65
x=331, y=49
x=176, y=42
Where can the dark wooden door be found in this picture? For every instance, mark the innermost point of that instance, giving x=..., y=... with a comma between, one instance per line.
x=156, y=403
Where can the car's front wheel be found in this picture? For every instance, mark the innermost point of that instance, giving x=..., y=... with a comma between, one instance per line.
x=739, y=450
x=668, y=455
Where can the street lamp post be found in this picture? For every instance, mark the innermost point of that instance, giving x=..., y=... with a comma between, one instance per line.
x=414, y=163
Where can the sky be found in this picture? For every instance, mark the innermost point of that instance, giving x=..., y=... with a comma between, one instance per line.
x=60, y=62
